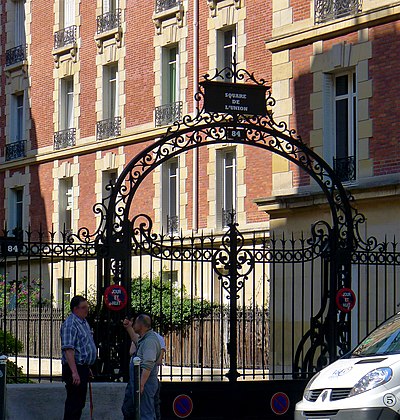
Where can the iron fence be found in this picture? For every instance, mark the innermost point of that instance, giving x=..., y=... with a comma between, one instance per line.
x=108, y=21
x=167, y=114
x=64, y=138
x=15, y=150
x=108, y=128
x=162, y=5
x=188, y=300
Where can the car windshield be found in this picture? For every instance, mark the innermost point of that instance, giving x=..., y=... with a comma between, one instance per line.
x=384, y=340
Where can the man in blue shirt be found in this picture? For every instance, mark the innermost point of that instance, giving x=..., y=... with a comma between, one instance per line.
x=78, y=354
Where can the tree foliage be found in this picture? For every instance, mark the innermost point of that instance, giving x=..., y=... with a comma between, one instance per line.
x=170, y=306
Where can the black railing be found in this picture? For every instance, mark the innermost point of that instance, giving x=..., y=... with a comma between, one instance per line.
x=345, y=168
x=108, y=128
x=15, y=150
x=108, y=21
x=64, y=138
x=15, y=55
x=172, y=224
x=326, y=10
x=65, y=37
x=162, y=5
x=228, y=217
x=166, y=114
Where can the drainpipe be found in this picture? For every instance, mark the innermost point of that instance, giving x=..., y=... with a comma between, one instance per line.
x=195, y=106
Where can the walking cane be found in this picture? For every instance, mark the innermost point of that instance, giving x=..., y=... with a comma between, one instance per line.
x=91, y=399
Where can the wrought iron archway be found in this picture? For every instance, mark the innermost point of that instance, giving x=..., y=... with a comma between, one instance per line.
x=118, y=229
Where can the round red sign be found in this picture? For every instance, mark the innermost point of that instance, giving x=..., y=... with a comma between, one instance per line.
x=345, y=299
x=115, y=297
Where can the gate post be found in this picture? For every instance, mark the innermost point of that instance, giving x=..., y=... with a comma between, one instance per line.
x=233, y=373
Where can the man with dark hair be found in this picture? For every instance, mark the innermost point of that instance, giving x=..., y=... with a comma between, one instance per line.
x=78, y=354
x=149, y=351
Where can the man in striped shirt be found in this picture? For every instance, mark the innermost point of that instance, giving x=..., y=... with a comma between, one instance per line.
x=78, y=354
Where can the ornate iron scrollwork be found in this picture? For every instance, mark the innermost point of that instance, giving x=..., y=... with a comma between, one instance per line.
x=16, y=55
x=65, y=36
x=326, y=10
x=108, y=21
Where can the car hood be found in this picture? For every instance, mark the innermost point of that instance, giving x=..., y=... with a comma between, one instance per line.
x=346, y=372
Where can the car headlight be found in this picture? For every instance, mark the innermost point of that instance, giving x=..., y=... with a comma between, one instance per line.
x=307, y=391
x=371, y=380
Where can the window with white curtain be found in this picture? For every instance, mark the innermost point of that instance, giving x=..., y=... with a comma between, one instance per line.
x=225, y=185
x=19, y=22
x=66, y=103
x=110, y=91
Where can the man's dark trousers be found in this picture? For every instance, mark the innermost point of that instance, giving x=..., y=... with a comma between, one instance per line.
x=76, y=394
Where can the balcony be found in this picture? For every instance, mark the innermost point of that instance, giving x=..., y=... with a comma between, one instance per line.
x=163, y=5
x=16, y=55
x=15, y=150
x=106, y=129
x=345, y=168
x=326, y=10
x=172, y=224
x=64, y=138
x=108, y=21
x=65, y=37
x=167, y=114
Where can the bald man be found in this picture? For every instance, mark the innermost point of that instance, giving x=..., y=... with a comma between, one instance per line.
x=149, y=351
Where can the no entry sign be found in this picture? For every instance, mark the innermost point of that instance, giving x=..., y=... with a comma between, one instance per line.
x=182, y=406
x=280, y=403
x=345, y=299
x=115, y=297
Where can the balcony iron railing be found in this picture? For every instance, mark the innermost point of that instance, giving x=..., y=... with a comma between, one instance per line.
x=326, y=10
x=108, y=21
x=172, y=224
x=65, y=37
x=162, y=5
x=228, y=217
x=108, y=128
x=64, y=138
x=15, y=150
x=345, y=168
x=15, y=55
x=166, y=114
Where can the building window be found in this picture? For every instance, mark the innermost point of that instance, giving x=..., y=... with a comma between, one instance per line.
x=19, y=23
x=110, y=96
x=226, y=49
x=340, y=123
x=64, y=293
x=171, y=107
x=66, y=103
x=225, y=185
x=326, y=10
x=170, y=196
x=110, y=6
x=169, y=276
x=68, y=13
x=17, y=117
x=16, y=211
x=66, y=205
x=108, y=177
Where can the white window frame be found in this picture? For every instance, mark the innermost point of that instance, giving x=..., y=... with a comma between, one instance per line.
x=225, y=193
x=223, y=44
x=19, y=22
x=66, y=103
x=170, y=61
x=64, y=293
x=110, y=91
x=168, y=202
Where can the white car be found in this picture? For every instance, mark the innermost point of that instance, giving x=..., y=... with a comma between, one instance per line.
x=362, y=385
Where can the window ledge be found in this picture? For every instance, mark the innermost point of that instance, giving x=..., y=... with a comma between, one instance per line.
x=70, y=49
x=21, y=65
x=176, y=11
x=115, y=33
x=212, y=4
x=284, y=39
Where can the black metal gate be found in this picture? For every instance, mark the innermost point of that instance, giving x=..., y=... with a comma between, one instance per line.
x=234, y=306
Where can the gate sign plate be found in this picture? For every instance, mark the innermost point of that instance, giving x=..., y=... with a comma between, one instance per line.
x=280, y=403
x=115, y=297
x=345, y=299
x=182, y=406
x=234, y=98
